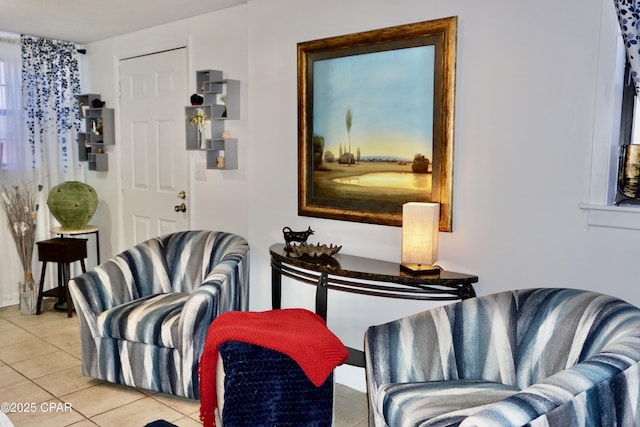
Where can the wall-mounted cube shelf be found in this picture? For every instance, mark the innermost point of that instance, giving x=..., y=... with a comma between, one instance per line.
x=98, y=133
x=205, y=128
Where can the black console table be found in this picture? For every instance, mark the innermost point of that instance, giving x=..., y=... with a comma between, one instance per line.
x=349, y=273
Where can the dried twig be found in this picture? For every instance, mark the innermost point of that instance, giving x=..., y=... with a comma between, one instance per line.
x=20, y=204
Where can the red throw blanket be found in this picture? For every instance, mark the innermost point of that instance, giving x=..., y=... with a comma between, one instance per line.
x=298, y=333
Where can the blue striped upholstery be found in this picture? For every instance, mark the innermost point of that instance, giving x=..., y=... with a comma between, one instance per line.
x=144, y=314
x=540, y=357
x=149, y=320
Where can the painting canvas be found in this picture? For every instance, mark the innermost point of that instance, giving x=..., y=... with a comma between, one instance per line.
x=372, y=133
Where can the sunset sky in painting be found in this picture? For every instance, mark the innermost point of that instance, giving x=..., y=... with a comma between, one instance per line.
x=390, y=94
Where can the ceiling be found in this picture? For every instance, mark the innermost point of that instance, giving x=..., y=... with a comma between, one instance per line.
x=86, y=21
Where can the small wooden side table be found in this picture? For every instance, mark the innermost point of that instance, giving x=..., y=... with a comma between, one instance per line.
x=62, y=251
x=87, y=229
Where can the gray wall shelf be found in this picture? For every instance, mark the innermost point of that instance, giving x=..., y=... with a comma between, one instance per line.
x=221, y=102
x=98, y=132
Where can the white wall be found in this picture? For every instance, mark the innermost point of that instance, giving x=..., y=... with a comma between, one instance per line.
x=524, y=120
x=525, y=99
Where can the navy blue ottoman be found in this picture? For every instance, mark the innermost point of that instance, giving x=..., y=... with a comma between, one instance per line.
x=263, y=387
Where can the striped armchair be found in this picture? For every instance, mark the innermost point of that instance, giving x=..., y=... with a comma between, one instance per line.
x=144, y=314
x=543, y=357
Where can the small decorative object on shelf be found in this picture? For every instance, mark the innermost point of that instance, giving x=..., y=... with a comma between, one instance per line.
x=295, y=236
x=219, y=100
x=315, y=250
x=98, y=132
x=84, y=108
x=223, y=99
x=97, y=103
x=20, y=204
x=196, y=100
x=201, y=122
x=220, y=160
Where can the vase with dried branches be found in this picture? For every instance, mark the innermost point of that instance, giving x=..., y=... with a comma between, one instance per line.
x=20, y=204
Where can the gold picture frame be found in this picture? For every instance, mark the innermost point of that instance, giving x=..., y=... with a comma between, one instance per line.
x=376, y=122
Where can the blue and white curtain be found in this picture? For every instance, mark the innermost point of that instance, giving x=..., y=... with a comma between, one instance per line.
x=629, y=18
x=50, y=88
x=51, y=85
x=41, y=84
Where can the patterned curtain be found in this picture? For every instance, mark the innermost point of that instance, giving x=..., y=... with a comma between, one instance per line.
x=51, y=84
x=38, y=129
x=629, y=17
x=50, y=87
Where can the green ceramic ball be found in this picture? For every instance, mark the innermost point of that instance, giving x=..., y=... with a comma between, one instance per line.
x=72, y=203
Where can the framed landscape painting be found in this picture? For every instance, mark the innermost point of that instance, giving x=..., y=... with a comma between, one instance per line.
x=375, y=122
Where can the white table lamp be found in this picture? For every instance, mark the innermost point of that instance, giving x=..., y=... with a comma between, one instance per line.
x=420, y=228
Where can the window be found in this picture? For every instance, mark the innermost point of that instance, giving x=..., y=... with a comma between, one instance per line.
x=3, y=112
x=627, y=182
x=11, y=122
x=607, y=136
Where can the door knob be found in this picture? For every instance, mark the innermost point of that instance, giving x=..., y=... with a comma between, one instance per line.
x=180, y=208
x=182, y=195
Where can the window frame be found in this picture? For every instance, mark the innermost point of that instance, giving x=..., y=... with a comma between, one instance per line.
x=600, y=206
x=3, y=111
x=8, y=152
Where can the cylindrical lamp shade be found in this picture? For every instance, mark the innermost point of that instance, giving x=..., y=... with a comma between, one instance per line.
x=420, y=227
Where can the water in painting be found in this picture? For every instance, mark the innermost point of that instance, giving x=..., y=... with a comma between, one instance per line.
x=373, y=126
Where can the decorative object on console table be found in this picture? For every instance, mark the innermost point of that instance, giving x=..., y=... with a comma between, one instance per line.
x=98, y=132
x=72, y=203
x=420, y=237
x=295, y=236
x=219, y=101
x=20, y=205
x=316, y=250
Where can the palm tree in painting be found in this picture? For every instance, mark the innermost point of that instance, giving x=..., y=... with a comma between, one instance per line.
x=349, y=133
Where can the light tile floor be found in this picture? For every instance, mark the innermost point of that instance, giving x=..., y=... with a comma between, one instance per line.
x=40, y=369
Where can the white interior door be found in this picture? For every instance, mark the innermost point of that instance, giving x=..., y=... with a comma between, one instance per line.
x=154, y=159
